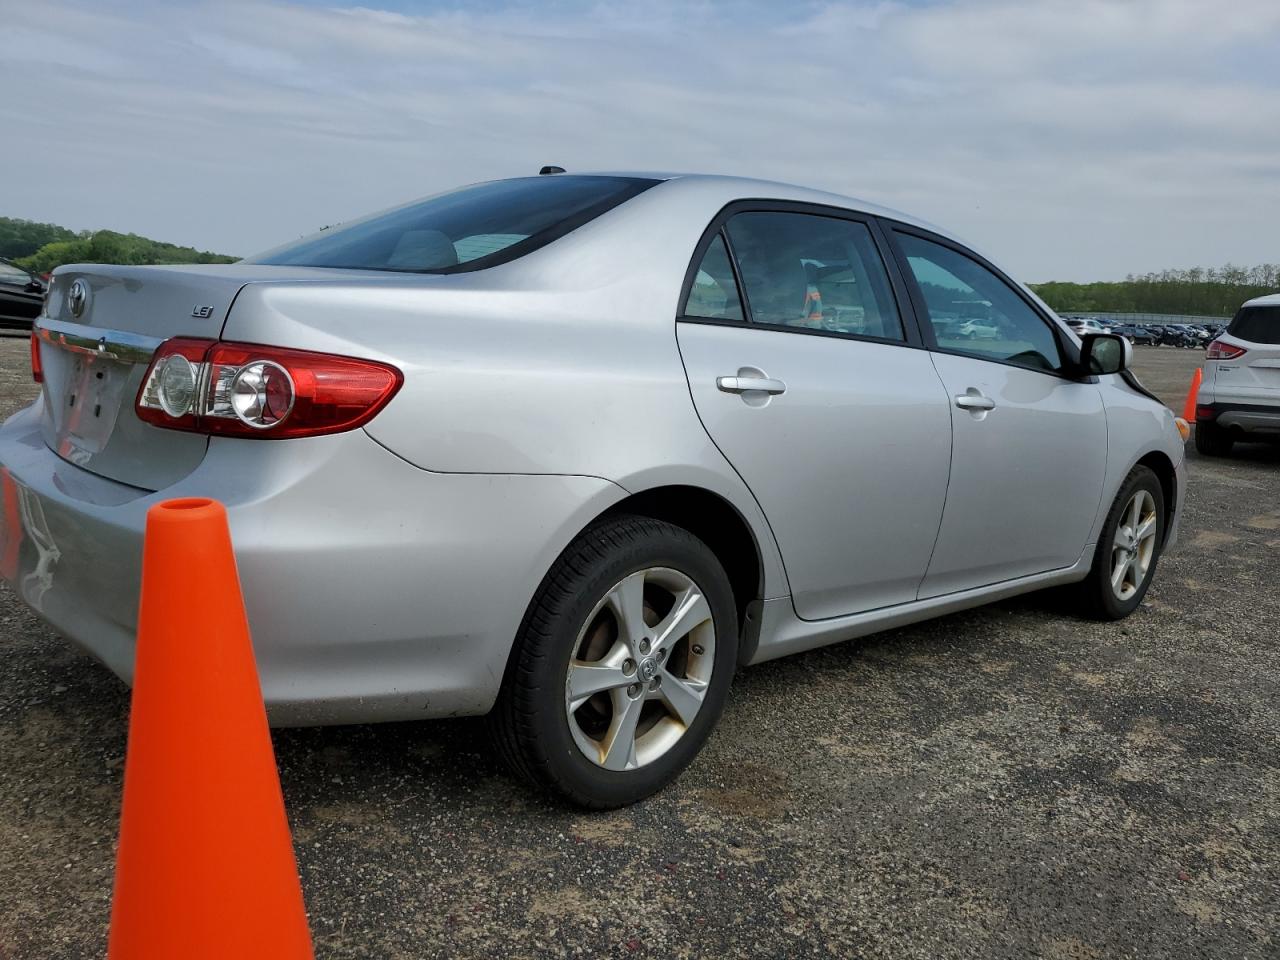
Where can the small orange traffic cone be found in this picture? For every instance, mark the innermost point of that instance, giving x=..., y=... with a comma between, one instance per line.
x=1189, y=408
x=205, y=867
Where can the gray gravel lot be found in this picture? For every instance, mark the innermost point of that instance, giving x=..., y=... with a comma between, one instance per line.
x=1008, y=782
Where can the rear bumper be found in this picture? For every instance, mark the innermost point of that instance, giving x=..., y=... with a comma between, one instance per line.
x=1245, y=417
x=375, y=590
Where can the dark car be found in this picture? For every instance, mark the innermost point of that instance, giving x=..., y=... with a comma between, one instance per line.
x=21, y=296
x=1136, y=334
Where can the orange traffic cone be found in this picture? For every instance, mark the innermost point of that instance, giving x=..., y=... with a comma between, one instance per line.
x=11, y=532
x=205, y=866
x=1189, y=408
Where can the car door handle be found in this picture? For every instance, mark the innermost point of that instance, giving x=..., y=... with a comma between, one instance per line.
x=744, y=384
x=974, y=401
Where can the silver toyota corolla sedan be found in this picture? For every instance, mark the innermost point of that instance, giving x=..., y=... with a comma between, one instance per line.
x=569, y=450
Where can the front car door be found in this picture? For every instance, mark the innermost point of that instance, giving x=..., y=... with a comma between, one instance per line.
x=1029, y=448
x=815, y=388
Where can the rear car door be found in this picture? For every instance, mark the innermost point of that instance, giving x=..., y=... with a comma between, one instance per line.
x=1029, y=447
x=811, y=383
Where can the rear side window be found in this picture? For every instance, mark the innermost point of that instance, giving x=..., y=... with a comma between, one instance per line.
x=714, y=293
x=820, y=273
x=1257, y=324
x=468, y=229
x=973, y=311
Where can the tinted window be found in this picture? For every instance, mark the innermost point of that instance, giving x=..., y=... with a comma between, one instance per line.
x=714, y=292
x=822, y=273
x=973, y=311
x=468, y=229
x=1257, y=324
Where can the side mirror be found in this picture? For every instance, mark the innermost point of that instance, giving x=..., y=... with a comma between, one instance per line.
x=1102, y=353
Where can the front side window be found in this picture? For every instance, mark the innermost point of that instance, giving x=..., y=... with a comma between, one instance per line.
x=973, y=311
x=814, y=272
x=468, y=229
x=1259, y=324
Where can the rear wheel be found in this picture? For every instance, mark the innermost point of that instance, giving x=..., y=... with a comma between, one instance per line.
x=1212, y=440
x=1128, y=550
x=622, y=665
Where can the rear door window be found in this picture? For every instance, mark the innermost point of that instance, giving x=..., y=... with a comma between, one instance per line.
x=468, y=229
x=813, y=272
x=1257, y=324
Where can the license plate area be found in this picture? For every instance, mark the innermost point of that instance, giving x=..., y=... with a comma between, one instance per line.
x=89, y=404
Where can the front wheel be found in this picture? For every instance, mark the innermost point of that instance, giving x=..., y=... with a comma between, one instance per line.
x=622, y=665
x=1128, y=549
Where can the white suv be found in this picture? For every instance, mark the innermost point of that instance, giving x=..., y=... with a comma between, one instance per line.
x=1240, y=396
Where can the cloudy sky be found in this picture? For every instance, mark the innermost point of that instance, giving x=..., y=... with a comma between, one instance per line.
x=1076, y=140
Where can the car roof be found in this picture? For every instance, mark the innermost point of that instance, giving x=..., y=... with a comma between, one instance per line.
x=753, y=188
x=1270, y=300
x=714, y=191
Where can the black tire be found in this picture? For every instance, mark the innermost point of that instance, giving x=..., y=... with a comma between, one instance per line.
x=1212, y=440
x=1094, y=595
x=530, y=722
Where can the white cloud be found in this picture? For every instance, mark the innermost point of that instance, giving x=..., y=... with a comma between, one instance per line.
x=1072, y=140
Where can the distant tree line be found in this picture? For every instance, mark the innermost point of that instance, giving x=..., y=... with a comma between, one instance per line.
x=21, y=238
x=40, y=247
x=1212, y=291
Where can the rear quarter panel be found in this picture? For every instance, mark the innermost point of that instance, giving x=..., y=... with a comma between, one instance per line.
x=564, y=362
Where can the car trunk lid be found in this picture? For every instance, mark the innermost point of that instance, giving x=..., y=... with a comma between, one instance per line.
x=100, y=327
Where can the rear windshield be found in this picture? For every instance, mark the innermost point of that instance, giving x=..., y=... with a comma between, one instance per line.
x=1257, y=324
x=467, y=229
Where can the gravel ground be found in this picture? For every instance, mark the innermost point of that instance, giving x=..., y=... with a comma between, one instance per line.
x=1008, y=782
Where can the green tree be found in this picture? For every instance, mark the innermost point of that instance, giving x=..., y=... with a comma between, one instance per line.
x=1215, y=291
x=107, y=246
x=22, y=238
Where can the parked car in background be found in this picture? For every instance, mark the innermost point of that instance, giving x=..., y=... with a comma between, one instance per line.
x=978, y=330
x=1239, y=397
x=1199, y=335
x=1135, y=334
x=1176, y=335
x=570, y=450
x=1083, y=325
x=21, y=296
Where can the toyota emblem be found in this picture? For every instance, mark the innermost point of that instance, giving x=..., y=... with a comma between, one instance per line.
x=78, y=298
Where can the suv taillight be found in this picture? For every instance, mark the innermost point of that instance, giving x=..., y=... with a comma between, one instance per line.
x=268, y=393
x=1224, y=351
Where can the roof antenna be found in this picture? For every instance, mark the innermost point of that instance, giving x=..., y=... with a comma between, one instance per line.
x=549, y=170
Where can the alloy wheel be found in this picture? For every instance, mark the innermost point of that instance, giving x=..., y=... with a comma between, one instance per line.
x=1133, y=546
x=640, y=669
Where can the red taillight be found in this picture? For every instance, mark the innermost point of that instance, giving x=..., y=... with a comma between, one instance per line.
x=244, y=390
x=1205, y=412
x=37, y=371
x=1224, y=351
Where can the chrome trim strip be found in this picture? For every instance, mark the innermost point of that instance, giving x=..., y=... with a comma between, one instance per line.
x=107, y=344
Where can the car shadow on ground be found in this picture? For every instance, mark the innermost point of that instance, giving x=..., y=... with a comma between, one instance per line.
x=1267, y=454
x=411, y=763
